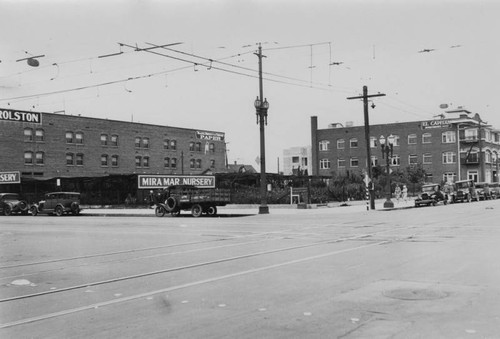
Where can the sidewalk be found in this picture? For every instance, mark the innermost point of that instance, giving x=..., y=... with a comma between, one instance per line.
x=336, y=207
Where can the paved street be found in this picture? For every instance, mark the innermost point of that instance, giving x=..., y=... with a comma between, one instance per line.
x=340, y=272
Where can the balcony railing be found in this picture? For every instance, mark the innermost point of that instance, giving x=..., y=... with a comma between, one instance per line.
x=469, y=139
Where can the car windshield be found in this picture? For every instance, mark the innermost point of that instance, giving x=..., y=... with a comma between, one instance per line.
x=463, y=184
x=429, y=188
x=10, y=197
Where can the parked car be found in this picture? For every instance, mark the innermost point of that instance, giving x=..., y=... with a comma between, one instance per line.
x=464, y=191
x=58, y=203
x=11, y=203
x=431, y=194
x=495, y=190
x=483, y=191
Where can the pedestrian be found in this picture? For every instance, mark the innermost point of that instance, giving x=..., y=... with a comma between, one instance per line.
x=397, y=193
x=405, y=193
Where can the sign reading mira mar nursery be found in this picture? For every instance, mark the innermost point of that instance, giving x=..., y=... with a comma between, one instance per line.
x=13, y=177
x=20, y=116
x=151, y=181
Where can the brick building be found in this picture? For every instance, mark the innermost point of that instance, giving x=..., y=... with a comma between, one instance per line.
x=46, y=145
x=455, y=147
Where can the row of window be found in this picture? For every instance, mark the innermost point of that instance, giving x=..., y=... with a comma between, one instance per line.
x=446, y=158
x=76, y=159
x=447, y=137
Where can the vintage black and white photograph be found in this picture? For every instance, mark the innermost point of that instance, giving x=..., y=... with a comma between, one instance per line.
x=249, y=169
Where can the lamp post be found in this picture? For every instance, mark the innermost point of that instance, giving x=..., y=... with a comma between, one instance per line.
x=261, y=108
x=387, y=151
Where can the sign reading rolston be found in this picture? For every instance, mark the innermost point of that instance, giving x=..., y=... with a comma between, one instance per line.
x=213, y=136
x=13, y=177
x=443, y=123
x=20, y=116
x=160, y=181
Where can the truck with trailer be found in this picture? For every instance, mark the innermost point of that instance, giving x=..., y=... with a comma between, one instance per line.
x=177, y=198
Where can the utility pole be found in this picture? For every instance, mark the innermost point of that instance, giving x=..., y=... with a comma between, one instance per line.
x=365, y=97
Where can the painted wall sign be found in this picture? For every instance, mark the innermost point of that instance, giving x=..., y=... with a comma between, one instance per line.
x=213, y=136
x=443, y=123
x=20, y=116
x=151, y=181
x=13, y=177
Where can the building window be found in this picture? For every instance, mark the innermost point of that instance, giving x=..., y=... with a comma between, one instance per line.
x=353, y=143
x=79, y=138
x=340, y=143
x=449, y=157
x=323, y=145
x=427, y=158
x=137, y=142
x=145, y=162
x=173, y=144
x=197, y=147
x=104, y=139
x=145, y=142
x=374, y=161
x=340, y=162
x=114, y=161
x=354, y=162
x=211, y=148
x=487, y=156
x=28, y=158
x=104, y=160
x=166, y=144
x=114, y=140
x=69, y=137
x=295, y=160
x=39, y=135
x=198, y=163
x=397, y=141
x=412, y=139
x=70, y=159
x=428, y=177
x=449, y=176
x=449, y=137
x=471, y=134
x=426, y=138
x=173, y=163
x=138, y=161
x=39, y=158
x=191, y=163
x=166, y=162
x=395, y=160
x=373, y=142
x=28, y=134
x=212, y=163
x=412, y=159
x=79, y=159
x=324, y=164
x=191, y=146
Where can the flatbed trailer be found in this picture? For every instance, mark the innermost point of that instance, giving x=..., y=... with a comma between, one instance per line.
x=199, y=201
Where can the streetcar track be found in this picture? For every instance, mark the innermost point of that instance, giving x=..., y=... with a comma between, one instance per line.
x=182, y=286
x=135, y=276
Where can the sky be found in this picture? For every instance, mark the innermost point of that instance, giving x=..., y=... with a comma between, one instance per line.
x=317, y=53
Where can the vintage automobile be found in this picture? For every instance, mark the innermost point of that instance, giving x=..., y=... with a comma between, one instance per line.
x=431, y=194
x=484, y=191
x=464, y=191
x=11, y=203
x=495, y=190
x=58, y=203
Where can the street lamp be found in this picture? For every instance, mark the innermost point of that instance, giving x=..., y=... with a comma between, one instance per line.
x=261, y=108
x=387, y=151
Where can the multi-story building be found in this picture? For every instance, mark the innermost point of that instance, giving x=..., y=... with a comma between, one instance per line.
x=457, y=146
x=46, y=145
x=297, y=159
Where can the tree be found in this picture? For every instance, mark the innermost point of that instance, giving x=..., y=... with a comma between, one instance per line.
x=416, y=175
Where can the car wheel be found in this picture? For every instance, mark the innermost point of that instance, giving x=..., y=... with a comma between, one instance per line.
x=212, y=210
x=159, y=211
x=170, y=204
x=7, y=210
x=196, y=210
x=34, y=210
x=59, y=211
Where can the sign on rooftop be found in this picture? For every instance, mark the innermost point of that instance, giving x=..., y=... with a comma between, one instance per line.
x=20, y=116
x=13, y=177
x=151, y=181
x=441, y=123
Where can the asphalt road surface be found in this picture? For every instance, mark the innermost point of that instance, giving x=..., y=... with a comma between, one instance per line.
x=430, y=272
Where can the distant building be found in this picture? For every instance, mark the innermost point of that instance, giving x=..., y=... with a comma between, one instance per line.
x=455, y=146
x=297, y=160
x=240, y=168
